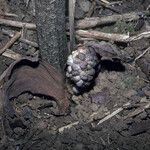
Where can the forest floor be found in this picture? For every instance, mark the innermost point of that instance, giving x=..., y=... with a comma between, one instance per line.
x=113, y=115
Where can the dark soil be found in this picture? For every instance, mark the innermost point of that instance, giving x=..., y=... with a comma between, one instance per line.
x=35, y=128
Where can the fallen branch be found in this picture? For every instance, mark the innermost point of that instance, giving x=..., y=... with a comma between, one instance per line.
x=97, y=35
x=103, y=36
x=17, y=24
x=91, y=10
x=107, y=6
x=10, y=34
x=96, y=21
x=72, y=4
x=11, y=42
x=11, y=54
x=9, y=15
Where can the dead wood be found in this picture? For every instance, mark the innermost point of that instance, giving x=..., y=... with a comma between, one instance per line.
x=97, y=21
x=105, y=5
x=98, y=35
x=71, y=23
x=145, y=34
x=91, y=9
x=11, y=42
x=103, y=36
x=8, y=14
x=11, y=34
x=29, y=75
x=17, y=24
x=11, y=54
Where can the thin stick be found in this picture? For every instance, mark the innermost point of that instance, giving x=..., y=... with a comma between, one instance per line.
x=141, y=55
x=90, y=12
x=9, y=15
x=71, y=23
x=11, y=42
x=107, y=6
x=111, y=115
x=140, y=36
x=97, y=21
x=103, y=36
x=11, y=54
x=137, y=111
x=105, y=1
x=17, y=24
x=10, y=34
x=68, y=126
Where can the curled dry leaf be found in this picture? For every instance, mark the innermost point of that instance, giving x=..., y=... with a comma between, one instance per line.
x=30, y=75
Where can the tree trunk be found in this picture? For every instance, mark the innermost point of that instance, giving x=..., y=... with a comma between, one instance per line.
x=50, y=21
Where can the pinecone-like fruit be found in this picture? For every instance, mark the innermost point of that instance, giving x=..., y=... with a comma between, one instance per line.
x=82, y=65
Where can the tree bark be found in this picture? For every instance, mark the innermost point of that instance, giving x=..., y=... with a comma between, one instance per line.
x=50, y=21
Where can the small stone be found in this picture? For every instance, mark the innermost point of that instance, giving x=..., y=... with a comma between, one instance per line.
x=79, y=83
x=85, y=5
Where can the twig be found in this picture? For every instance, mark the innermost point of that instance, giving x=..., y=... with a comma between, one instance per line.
x=104, y=1
x=138, y=111
x=11, y=54
x=11, y=42
x=103, y=36
x=141, y=55
x=96, y=21
x=140, y=36
x=84, y=39
x=68, y=126
x=111, y=36
x=10, y=34
x=71, y=23
x=17, y=24
x=107, y=6
x=34, y=44
x=110, y=116
x=90, y=12
x=9, y=15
